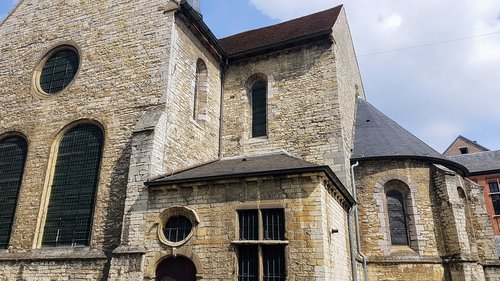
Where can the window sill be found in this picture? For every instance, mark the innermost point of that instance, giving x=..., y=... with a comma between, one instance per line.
x=260, y=242
x=256, y=140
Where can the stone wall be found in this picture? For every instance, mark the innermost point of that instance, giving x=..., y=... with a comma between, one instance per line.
x=303, y=108
x=313, y=252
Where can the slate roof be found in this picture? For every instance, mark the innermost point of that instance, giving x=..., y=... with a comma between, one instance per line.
x=480, y=162
x=232, y=167
x=301, y=27
x=378, y=136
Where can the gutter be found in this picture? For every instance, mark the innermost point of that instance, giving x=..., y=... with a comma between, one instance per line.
x=356, y=223
x=462, y=170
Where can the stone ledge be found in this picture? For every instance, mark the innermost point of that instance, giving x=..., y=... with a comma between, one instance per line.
x=129, y=250
x=54, y=254
x=405, y=259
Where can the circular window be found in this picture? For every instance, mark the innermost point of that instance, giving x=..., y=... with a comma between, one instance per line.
x=59, y=67
x=177, y=228
x=177, y=225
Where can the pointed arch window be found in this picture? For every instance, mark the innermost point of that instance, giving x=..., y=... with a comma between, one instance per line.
x=12, y=159
x=74, y=185
x=201, y=91
x=397, y=217
x=259, y=109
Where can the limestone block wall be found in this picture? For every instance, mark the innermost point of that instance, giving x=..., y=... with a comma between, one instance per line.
x=371, y=176
x=307, y=223
x=122, y=45
x=349, y=86
x=191, y=141
x=304, y=116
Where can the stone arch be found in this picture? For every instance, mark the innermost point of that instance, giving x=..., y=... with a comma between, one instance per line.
x=151, y=270
x=395, y=191
x=51, y=169
x=257, y=91
x=200, y=98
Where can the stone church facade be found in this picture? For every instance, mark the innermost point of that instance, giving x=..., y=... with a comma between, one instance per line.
x=134, y=145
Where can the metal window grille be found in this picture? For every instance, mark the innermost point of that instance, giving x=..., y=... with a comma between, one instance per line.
x=397, y=218
x=493, y=187
x=274, y=227
x=58, y=71
x=274, y=263
x=71, y=204
x=177, y=228
x=248, y=263
x=259, y=109
x=12, y=157
x=249, y=228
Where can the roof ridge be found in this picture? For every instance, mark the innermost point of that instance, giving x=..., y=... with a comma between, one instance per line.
x=283, y=22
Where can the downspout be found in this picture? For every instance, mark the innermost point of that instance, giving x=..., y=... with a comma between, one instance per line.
x=354, y=264
x=356, y=222
x=221, y=113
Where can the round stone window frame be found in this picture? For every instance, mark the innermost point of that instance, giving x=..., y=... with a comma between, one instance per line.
x=177, y=211
x=35, y=84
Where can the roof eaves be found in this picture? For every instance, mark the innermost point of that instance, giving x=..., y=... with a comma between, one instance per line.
x=323, y=34
x=325, y=169
x=448, y=163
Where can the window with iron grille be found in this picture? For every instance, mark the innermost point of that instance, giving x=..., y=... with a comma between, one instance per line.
x=12, y=157
x=261, y=248
x=495, y=197
x=259, y=109
x=397, y=218
x=59, y=70
x=74, y=185
x=177, y=228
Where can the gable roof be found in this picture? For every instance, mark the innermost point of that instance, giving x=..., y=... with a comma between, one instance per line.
x=470, y=142
x=379, y=137
x=317, y=24
x=479, y=163
x=250, y=166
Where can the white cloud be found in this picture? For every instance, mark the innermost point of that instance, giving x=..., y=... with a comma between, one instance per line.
x=391, y=22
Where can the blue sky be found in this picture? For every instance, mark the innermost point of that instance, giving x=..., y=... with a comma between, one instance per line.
x=448, y=88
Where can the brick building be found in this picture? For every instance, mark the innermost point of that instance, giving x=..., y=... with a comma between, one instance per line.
x=463, y=145
x=134, y=145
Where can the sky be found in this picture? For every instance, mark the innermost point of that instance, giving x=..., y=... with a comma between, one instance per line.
x=432, y=66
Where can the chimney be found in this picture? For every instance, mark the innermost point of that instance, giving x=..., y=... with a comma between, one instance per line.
x=195, y=4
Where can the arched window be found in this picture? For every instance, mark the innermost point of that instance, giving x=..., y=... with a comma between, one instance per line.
x=397, y=217
x=74, y=184
x=259, y=109
x=201, y=90
x=12, y=157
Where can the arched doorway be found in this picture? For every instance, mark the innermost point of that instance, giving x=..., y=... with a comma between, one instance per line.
x=176, y=269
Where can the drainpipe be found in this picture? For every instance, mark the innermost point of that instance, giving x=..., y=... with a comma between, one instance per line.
x=354, y=264
x=356, y=221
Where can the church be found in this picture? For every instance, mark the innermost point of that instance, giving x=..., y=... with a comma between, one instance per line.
x=135, y=145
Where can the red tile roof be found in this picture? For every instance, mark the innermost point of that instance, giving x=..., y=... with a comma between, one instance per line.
x=289, y=30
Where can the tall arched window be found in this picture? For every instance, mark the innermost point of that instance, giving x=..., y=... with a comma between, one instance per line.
x=12, y=157
x=74, y=185
x=397, y=217
x=259, y=109
x=201, y=90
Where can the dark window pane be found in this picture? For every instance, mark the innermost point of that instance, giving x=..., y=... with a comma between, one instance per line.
x=249, y=225
x=177, y=228
x=248, y=263
x=397, y=219
x=274, y=224
x=71, y=204
x=259, y=109
x=495, y=198
x=58, y=71
x=493, y=187
x=274, y=263
x=12, y=157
